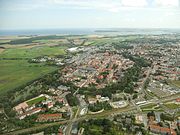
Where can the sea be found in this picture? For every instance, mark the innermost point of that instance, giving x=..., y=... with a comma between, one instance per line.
x=88, y=31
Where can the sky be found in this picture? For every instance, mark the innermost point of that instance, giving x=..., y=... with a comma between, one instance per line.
x=48, y=14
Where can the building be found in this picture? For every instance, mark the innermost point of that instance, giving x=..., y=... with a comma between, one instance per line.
x=31, y=112
x=81, y=131
x=161, y=130
x=21, y=107
x=92, y=100
x=118, y=104
x=74, y=130
x=49, y=117
x=178, y=101
x=139, y=119
x=40, y=133
x=103, y=99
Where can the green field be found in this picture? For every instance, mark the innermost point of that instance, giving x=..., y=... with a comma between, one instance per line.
x=36, y=100
x=15, y=73
x=151, y=107
x=32, y=52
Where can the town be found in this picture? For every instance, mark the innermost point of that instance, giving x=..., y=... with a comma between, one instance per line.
x=129, y=86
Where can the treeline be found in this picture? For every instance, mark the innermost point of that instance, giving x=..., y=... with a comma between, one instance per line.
x=14, y=58
x=99, y=106
x=33, y=39
x=140, y=61
x=47, y=130
x=163, y=41
x=99, y=127
x=122, y=45
x=168, y=117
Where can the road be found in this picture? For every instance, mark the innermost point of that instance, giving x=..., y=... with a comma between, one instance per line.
x=86, y=117
x=143, y=84
x=131, y=108
x=78, y=119
x=69, y=126
x=127, y=109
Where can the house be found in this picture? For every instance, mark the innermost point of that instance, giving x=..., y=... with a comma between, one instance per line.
x=29, y=113
x=103, y=99
x=60, y=131
x=50, y=105
x=161, y=130
x=178, y=101
x=92, y=100
x=139, y=119
x=21, y=107
x=49, y=117
x=65, y=88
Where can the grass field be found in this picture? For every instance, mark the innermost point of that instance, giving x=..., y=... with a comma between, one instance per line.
x=151, y=107
x=35, y=100
x=14, y=73
x=31, y=52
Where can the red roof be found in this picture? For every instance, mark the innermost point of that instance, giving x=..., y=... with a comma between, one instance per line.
x=178, y=100
x=162, y=129
x=50, y=115
x=49, y=104
x=100, y=77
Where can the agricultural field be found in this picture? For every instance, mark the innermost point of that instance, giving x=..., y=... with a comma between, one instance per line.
x=15, y=69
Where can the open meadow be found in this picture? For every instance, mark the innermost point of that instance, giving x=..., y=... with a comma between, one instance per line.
x=15, y=70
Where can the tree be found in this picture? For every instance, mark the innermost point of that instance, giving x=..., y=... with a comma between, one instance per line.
x=135, y=96
x=72, y=100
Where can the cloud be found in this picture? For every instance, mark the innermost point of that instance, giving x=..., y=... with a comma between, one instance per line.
x=22, y=5
x=134, y=3
x=106, y=5
x=116, y=5
x=167, y=3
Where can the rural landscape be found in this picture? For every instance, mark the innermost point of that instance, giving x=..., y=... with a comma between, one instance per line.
x=89, y=67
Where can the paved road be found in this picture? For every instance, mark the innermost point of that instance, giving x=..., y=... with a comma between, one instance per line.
x=88, y=116
x=69, y=126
